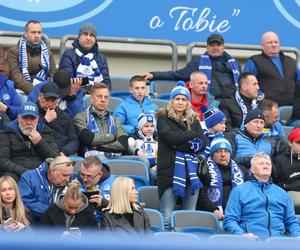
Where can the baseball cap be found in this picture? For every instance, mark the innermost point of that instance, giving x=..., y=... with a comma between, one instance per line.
x=29, y=109
x=50, y=89
x=215, y=38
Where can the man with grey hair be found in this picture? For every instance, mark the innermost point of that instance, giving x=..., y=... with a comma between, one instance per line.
x=258, y=208
x=42, y=186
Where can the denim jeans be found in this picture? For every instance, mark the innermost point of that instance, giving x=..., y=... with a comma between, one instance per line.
x=168, y=202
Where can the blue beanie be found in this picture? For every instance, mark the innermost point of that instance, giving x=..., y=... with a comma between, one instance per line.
x=219, y=142
x=180, y=89
x=213, y=116
x=146, y=118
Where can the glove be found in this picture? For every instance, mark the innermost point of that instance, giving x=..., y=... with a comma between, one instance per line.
x=195, y=144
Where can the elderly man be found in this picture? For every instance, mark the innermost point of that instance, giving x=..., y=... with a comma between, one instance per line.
x=251, y=140
x=277, y=73
x=25, y=143
x=31, y=62
x=97, y=128
x=224, y=175
x=258, y=208
x=236, y=107
x=220, y=68
x=42, y=186
x=84, y=60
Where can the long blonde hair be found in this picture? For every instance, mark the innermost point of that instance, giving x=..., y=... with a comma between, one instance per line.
x=18, y=210
x=119, y=197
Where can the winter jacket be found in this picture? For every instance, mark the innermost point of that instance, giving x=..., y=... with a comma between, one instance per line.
x=18, y=154
x=244, y=146
x=128, y=112
x=102, y=141
x=4, y=68
x=74, y=103
x=64, y=132
x=70, y=61
x=222, y=84
x=263, y=209
x=173, y=135
x=119, y=223
x=9, y=96
x=56, y=216
x=34, y=66
x=4, y=120
x=276, y=129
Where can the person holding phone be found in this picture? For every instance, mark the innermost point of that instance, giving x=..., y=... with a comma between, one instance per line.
x=14, y=216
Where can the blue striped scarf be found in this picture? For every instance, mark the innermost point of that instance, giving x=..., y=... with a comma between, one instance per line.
x=206, y=68
x=88, y=67
x=23, y=62
x=179, y=178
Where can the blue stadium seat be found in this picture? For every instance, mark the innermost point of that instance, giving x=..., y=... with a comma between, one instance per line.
x=120, y=94
x=156, y=220
x=161, y=88
x=285, y=114
x=148, y=196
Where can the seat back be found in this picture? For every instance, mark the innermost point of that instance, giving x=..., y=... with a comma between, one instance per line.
x=160, y=103
x=148, y=196
x=219, y=240
x=156, y=220
x=123, y=94
x=285, y=114
x=159, y=87
x=287, y=130
x=78, y=160
x=119, y=83
x=296, y=200
x=176, y=237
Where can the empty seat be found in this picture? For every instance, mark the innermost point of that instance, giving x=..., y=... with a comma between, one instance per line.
x=156, y=220
x=160, y=88
x=177, y=237
x=148, y=196
x=160, y=103
x=219, y=240
x=120, y=94
x=119, y=83
x=296, y=200
x=285, y=114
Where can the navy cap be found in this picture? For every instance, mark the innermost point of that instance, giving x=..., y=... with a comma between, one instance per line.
x=215, y=38
x=29, y=109
x=50, y=89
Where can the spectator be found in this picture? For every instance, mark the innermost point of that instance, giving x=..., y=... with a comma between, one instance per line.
x=11, y=207
x=31, y=62
x=70, y=210
x=277, y=73
x=272, y=125
x=4, y=68
x=63, y=127
x=70, y=92
x=224, y=173
x=258, y=208
x=123, y=213
x=25, y=143
x=224, y=80
x=84, y=60
x=180, y=140
x=245, y=143
x=201, y=99
x=237, y=106
x=43, y=185
x=128, y=111
x=4, y=120
x=97, y=128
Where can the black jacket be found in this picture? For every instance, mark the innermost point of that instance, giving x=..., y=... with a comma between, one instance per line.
x=18, y=154
x=64, y=132
x=119, y=222
x=173, y=135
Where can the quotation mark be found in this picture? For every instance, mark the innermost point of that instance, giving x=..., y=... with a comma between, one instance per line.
x=236, y=12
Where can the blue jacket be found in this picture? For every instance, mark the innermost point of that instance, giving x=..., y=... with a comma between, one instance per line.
x=70, y=61
x=277, y=129
x=74, y=106
x=128, y=111
x=263, y=209
x=9, y=96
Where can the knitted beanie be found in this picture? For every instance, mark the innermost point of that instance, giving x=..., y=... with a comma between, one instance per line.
x=213, y=116
x=219, y=142
x=254, y=114
x=146, y=118
x=180, y=89
x=87, y=27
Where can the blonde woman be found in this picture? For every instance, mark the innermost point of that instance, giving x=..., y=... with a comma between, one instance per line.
x=180, y=144
x=13, y=215
x=123, y=213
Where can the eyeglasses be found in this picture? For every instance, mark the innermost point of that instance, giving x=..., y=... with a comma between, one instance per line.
x=68, y=163
x=87, y=177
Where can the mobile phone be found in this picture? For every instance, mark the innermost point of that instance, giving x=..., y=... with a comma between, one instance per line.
x=8, y=222
x=89, y=194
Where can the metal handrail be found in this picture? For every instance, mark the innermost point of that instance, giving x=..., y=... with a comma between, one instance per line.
x=170, y=43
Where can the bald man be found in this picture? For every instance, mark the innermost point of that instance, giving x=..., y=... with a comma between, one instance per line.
x=276, y=73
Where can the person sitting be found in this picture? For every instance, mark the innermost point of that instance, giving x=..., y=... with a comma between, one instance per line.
x=272, y=125
x=97, y=128
x=84, y=60
x=43, y=185
x=14, y=216
x=123, y=213
x=25, y=143
x=51, y=115
x=258, y=208
x=201, y=99
x=276, y=72
x=71, y=210
x=31, y=62
x=128, y=111
x=236, y=106
x=224, y=174
x=220, y=68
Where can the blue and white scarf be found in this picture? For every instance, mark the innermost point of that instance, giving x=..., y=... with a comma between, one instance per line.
x=243, y=107
x=215, y=190
x=23, y=62
x=206, y=68
x=210, y=136
x=179, y=178
x=92, y=124
x=88, y=67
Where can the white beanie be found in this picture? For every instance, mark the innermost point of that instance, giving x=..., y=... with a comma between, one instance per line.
x=146, y=118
